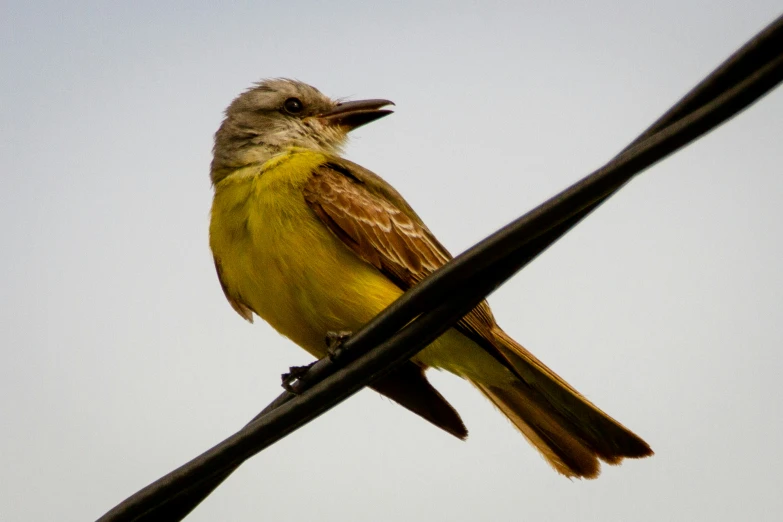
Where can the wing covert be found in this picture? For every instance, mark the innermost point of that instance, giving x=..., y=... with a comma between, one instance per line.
x=374, y=228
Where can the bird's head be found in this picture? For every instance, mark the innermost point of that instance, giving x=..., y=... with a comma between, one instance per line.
x=278, y=114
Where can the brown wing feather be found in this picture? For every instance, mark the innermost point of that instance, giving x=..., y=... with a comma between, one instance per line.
x=375, y=229
x=403, y=249
x=388, y=236
x=236, y=303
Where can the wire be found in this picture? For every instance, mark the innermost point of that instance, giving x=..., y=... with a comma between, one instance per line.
x=434, y=305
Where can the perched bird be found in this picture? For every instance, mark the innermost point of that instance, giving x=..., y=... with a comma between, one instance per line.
x=313, y=243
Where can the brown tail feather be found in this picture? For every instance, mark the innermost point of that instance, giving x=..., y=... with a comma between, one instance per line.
x=570, y=431
x=545, y=430
x=409, y=387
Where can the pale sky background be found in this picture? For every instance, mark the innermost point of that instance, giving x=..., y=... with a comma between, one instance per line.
x=120, y=359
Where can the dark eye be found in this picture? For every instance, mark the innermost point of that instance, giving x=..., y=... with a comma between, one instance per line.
x=293, y=105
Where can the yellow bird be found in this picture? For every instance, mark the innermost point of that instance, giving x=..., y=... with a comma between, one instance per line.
x=313, y=244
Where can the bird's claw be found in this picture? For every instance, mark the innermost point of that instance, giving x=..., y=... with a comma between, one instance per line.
x=335, y=342
x=291, y=379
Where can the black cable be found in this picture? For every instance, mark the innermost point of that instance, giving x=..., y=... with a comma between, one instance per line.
x=431, y=307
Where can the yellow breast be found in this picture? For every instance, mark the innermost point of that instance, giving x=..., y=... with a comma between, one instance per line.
x=280, y=260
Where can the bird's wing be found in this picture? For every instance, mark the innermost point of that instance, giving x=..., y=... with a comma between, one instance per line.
x=373, y=227
x=374, y=221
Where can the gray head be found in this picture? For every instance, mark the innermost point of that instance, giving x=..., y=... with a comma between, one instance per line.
x=275, y=115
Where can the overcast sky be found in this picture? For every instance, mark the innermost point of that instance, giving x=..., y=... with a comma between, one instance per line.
x=120, y=358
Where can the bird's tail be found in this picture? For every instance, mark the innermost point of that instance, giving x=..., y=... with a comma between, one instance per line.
x=569, y=431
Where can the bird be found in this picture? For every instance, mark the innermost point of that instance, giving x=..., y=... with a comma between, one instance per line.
x=313, y=244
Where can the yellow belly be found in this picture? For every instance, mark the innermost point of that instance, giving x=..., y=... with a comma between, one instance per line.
x=281, y=261
x=284, y=263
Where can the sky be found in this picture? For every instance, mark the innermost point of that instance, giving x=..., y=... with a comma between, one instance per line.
x=120, y=358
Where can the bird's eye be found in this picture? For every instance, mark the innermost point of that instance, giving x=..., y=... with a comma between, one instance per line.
x=293, y=106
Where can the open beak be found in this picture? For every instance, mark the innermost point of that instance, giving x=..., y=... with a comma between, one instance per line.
x=353, y=114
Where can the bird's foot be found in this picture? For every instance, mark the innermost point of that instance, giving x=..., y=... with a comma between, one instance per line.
x=335, y=342
x=291, y=379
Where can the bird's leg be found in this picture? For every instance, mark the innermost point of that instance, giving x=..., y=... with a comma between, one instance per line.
x=334, y=344
x=291, y=378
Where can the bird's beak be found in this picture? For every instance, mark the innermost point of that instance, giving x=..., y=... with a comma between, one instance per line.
x=353, y=114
